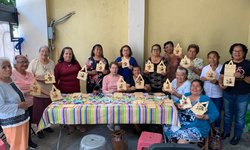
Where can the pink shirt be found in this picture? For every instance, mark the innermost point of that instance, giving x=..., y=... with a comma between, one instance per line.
x=24, y=82
x=109, y=83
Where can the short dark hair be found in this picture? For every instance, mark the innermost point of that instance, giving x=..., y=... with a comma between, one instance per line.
x=92, y=51
x=213, y=52
x=244, y=48
x=195, y=46
x=136, y=67
x=129, y=48
x=158, y=45
x=168, y=42
x=61, y=59
x=113, y=63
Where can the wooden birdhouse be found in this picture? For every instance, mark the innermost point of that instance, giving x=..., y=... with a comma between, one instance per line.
x=167, y=85
x=185, y=102
x=121, y=84
x=83, y=73
x=200, y=108
x=138, y=95
x=149, y=66
x=118, y=95
x=185, y=62
x=100, y=66
x=229, y=71
x=161, y=68
x=49, y=78
x=210, y=74
x=150, y=104
x=139, y=82
x=35, y=89
x=55, y=94
x=125, y=62
x=177, y=50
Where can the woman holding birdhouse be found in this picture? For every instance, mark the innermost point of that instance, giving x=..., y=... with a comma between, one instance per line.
x=138, y=82
x=173, y=59
x=196, y=113
x=24, y=81
x=126, y=62
x=14, y=117
x=210, y=76
x=196, y=64
x=157, y=70
x=41, y=67
x=236, y=93
x=98, y=67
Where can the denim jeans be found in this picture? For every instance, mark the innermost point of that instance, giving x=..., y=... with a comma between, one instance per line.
x=235, y=105
x=218, y=103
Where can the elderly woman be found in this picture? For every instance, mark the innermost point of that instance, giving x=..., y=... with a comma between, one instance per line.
x=94, y=80
x=66, y=71
x=39, y=67
x=156, y=79
x=194, y=70
x=211, y=87
x=180, y=85
x=136, y=72
x=24, y=80
x=173, y=60
x=194, y=127
x=236, y=97
x=126, y=52
x=14, y=119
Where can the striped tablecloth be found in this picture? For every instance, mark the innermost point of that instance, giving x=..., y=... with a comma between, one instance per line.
x=109, y=114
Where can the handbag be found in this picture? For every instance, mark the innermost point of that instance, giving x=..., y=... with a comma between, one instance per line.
x=118, y=141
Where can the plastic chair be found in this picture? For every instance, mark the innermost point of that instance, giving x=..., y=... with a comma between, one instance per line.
x=93, y=142
x=164, y=146
x=148, y=138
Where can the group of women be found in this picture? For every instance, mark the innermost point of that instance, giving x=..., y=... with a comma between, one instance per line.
x=18, y=106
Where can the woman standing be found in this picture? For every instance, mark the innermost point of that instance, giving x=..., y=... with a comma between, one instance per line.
x=156, y=79
x=66, y=71
x=126, y=53
x=14, y=119
x=194, y=70
x=173, y=60
x=39, y=67
x=24, y=80
x=94, y=80
x=236, y=97
x=211, y=87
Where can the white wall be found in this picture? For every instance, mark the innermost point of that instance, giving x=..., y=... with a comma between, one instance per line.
x=32, y=25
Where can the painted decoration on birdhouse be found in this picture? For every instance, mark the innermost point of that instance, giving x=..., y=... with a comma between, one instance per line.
x=139, y=82
x=185, y=62
x=83, y=74
x=167, y=85
x=210, y=74
x=161, y=68
x=125, y=62
x=35, y=89
x=185, y=102
x=177, y=50
x=121, y=84
x=55, y=94
x=49, y=78
x=149, y=66
x=100, y=66
x=118, y=95
x=229, y=71
x=200, y=108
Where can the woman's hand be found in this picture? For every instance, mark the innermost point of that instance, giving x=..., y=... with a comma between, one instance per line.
x=202, y=117
x=23, y=105
x=203, y=79
x=130, y=67
x=132, y=88
x=222, y=86
x=120, y=64
x=179, y=106
x=105, y=71
x=93, y=72
x=237, y=75
x=214, y=81
x=146, y=72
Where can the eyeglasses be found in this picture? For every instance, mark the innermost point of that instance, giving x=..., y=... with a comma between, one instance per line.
x=22, y=62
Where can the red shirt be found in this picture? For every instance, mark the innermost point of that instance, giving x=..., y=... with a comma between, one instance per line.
x=66, y=77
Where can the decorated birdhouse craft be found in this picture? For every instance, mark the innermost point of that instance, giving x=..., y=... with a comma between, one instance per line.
x=83, y=74
x=167, y=85
x=139, y=82
x=185, y=102
x=55, y=94
x=100, y=66
x=210, y=74
x=125, y=62
x=49, y=78
x=149, y=66
x=177, y=50
x=121, y=84
x=200, y=108
x=229, y=71
x=35, y=89
x=185, y=62
x=161, y=68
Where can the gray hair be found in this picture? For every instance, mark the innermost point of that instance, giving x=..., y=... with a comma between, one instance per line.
x=4, y=59
x=183, y=70
x=44, y=46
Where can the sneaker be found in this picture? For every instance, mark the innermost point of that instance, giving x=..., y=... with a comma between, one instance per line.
x=110, y=127
x=32, y=145
x=40, y=134
x=50, y=130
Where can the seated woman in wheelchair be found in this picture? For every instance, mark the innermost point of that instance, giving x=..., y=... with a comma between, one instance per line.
x=194, y=128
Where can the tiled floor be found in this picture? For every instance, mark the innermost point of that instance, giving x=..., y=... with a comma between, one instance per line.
x=72, y=142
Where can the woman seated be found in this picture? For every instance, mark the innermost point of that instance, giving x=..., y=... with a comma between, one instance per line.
x=180, y=85
x=131, y=81
x=194, y=127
